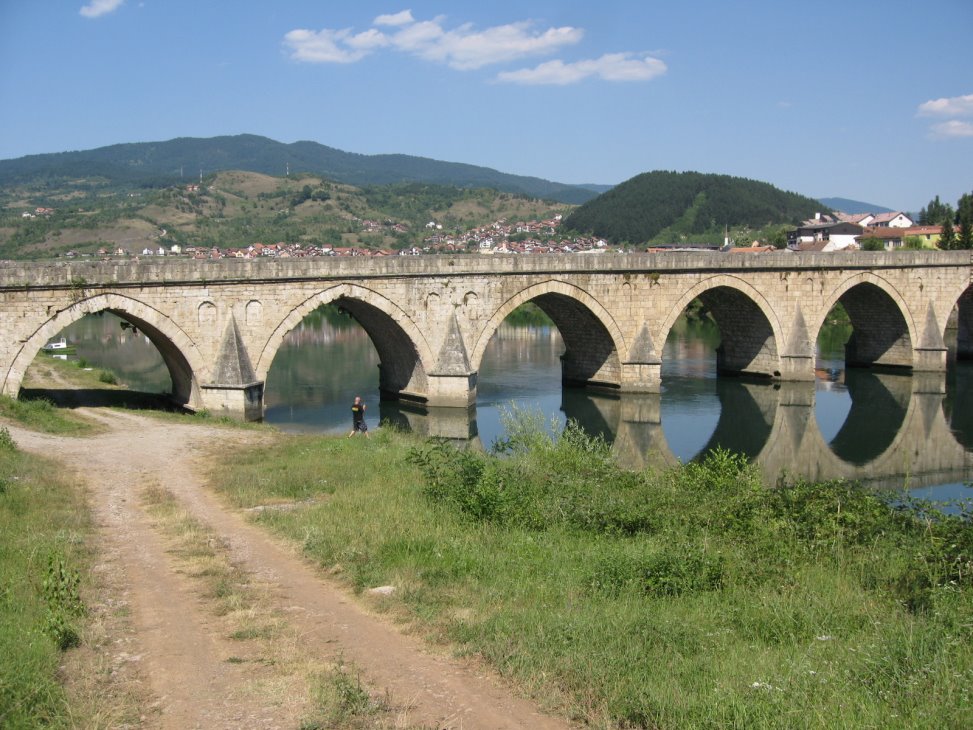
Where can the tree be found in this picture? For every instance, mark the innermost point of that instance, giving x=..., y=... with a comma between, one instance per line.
x=873, y=244
x=964, y=239
x=778, y=239
x=935, y=213
x=947, y=239
x=964, y=209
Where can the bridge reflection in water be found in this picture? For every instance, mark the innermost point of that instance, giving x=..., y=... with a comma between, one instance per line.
x=901, y=431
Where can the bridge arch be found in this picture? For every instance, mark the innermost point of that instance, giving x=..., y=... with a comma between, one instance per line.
x=883, y=329
x=591, y=337
x=403, y=352
x=961, y=301
x=749, y=328
x=179, y=353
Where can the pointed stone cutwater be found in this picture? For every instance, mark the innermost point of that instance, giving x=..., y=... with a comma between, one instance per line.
x=234, y=390
x=930, y=352
x=643, y=348
x=453, y=359
x=932, y=335
x=799, y=343
x=233, y=367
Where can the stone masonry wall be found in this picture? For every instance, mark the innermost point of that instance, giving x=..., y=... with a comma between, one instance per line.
x=441, y=311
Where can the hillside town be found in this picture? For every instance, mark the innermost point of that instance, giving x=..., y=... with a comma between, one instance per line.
x=499, y=237
x=823, y=234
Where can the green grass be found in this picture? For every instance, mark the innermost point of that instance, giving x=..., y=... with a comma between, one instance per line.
x=42, y=415
x=44, y=526
x=690, y=598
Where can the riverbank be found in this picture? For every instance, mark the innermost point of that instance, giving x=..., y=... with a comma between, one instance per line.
x=690, y=597
x=190, y=617
x=693, y=597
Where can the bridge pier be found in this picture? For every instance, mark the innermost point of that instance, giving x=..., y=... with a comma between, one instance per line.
x=239, y=402
x=451, y=391
x=797, y=368
x=641, y=377
x=929, y=360
x=234, y=390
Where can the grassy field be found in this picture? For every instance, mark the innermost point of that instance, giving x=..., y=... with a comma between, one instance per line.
x=44, y=526
x=690, y=598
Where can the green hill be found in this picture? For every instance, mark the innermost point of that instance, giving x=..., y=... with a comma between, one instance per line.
x=235, y=209
x=159, y=164
x=680, y=206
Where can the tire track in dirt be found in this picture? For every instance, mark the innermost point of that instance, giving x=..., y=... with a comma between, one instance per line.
x=184, y=653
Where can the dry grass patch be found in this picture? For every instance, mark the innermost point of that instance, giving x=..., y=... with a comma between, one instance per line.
x=285, y=673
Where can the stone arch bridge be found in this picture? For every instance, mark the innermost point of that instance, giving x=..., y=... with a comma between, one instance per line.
x=218, y=324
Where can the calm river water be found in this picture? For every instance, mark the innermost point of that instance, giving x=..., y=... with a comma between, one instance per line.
x=889, y=431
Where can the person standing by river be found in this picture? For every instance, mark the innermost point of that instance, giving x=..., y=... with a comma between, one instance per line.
x=358, y=418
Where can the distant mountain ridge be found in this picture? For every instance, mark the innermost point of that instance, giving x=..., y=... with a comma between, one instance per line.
x=153, y=164
x=670, y=206
x=845, y=205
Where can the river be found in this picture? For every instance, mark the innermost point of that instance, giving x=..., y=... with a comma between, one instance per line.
x=890, y=431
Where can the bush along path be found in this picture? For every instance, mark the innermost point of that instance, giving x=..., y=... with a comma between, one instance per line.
x=695, y=597
x=230, y=629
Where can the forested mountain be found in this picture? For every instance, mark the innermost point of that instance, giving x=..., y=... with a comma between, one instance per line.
x=158, y=164
x=845, y=205
x=672, y=206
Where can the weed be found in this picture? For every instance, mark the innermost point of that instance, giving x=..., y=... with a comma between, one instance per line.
x=7, y=442
x=64, y=606
x=339, y=699
x=108, y=377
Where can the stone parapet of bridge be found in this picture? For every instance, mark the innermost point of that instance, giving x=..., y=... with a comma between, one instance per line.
x=219, y=324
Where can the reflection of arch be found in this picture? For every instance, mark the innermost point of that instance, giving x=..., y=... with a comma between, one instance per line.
x=883, y=330
x=875, y=419
x=178, y=351
x=749, y=329
x=958, y=405
x=591, y=338
x=402, y=349
x=598, y=416
x=745, y=424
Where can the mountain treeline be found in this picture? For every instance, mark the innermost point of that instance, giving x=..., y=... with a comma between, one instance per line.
x=679, y=204
x=159, y=164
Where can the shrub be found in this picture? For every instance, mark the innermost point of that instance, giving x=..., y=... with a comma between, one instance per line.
x=107, y=376
x=7, y=442
x=672, y=571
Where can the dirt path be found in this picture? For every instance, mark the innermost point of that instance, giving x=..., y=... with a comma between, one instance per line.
x=181, y=647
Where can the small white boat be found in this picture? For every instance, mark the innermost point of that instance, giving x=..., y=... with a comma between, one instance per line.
x=55, y=345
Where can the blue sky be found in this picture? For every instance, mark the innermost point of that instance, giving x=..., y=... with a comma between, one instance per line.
x=871, y=100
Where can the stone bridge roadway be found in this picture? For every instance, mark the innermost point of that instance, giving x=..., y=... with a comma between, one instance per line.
x=218, y=324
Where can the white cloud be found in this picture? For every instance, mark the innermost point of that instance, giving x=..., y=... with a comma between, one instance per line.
x=97, y=8
x=461, y=48
x=332, y=46
x=403, y=18
x=466, y=49
x=952, y=129
x=956, y=106
x=610, y=67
